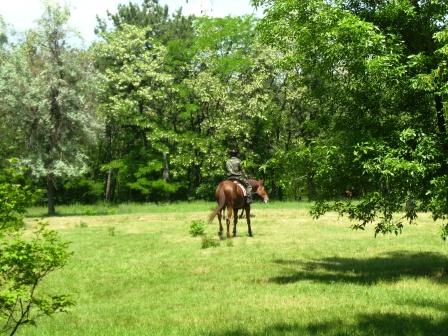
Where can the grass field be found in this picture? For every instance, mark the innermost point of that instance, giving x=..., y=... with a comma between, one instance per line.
x=137, y=271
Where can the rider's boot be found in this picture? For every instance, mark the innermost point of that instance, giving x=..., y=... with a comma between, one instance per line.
x=249, y=198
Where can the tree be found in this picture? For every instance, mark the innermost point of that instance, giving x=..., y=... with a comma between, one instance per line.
x=224, y=100
x=3, y=36
x=377, y=71
x=134, y=164
x=47, y=89
x=7, y=139
x=135, y=92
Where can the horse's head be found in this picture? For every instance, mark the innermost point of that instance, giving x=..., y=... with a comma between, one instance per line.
x=260, y=190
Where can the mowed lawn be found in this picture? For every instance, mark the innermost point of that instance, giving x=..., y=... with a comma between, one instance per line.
x=141, y=273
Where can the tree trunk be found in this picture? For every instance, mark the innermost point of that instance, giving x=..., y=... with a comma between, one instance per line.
x=51, y=194
x=109, y=189
x=166, y=169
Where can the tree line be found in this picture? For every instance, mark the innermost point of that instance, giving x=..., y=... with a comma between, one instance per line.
x=323, y=98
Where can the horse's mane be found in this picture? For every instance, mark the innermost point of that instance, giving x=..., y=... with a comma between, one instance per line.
x=255, y=183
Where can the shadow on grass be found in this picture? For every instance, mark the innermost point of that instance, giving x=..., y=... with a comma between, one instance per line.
x=439, y=305
x=364, y=325
x=389, y=267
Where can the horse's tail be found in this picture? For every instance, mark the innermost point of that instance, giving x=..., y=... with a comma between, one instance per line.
x=221, y=205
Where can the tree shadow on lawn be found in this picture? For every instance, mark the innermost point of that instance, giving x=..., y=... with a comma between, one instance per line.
x=388, y=267
x=365, y=325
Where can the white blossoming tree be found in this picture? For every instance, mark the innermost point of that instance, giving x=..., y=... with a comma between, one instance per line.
x=48, y=88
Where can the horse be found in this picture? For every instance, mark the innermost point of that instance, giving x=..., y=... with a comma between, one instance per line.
x=229, y=195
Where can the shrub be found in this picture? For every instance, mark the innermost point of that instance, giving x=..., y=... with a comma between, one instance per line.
x=83, y=225
x=111, y=231
x=197, y=228
x=208, y=241
x=25, y=260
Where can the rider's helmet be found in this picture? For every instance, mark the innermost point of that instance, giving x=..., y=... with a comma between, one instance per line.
x=233, y=152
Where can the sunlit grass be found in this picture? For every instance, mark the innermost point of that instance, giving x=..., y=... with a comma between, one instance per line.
x=132, y=208
x=296, y=276
x=116, y=209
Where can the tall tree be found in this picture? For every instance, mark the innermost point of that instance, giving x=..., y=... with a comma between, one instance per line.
x=48, y=87
x=135, y=93
x=3, y=36
x=377, y=71
x=168, y=39
x=6, y=142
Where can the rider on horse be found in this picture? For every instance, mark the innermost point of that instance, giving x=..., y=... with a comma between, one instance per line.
x=235, y=172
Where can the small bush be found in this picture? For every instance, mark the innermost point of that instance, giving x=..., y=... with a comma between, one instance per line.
x=83, y=225
x=25, y=261
x=444, y=232
x=111, y=231
x=197, y=228
x=208, y=241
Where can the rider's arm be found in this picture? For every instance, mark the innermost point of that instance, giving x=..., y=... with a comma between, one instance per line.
x=243, y=173
x=229, y=168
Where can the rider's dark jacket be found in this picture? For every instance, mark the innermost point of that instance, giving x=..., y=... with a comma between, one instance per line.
x=234, y=168
x=235, y=171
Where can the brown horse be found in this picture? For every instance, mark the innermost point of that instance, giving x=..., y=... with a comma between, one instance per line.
x=229, y=195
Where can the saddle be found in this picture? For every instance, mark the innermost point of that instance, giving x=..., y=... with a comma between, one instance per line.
x=239, y=185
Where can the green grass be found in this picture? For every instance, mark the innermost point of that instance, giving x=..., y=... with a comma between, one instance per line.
x=296, y=276
x=116, y=209
x=135, y=208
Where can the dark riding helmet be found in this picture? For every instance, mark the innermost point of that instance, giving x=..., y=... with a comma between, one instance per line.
x=233, y=152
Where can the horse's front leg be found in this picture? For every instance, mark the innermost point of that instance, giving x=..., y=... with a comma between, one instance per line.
x=249, y=229
x=235, y=221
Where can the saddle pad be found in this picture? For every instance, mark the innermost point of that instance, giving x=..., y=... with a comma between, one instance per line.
x=241, y=187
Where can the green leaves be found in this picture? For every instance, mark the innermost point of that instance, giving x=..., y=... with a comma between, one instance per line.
x=147, y=185
x=404, y=178
x=377, y=73
x=24, y=263
x=47, y=94
x=14, y=199
x=13, y=202
x=25, y=260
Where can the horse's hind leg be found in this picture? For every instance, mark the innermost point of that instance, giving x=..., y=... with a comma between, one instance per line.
x=229, y=216
x=221, y=229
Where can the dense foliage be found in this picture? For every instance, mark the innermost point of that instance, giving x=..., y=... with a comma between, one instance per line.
x=45, y=90
x=325, y=99
x=377, y=71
